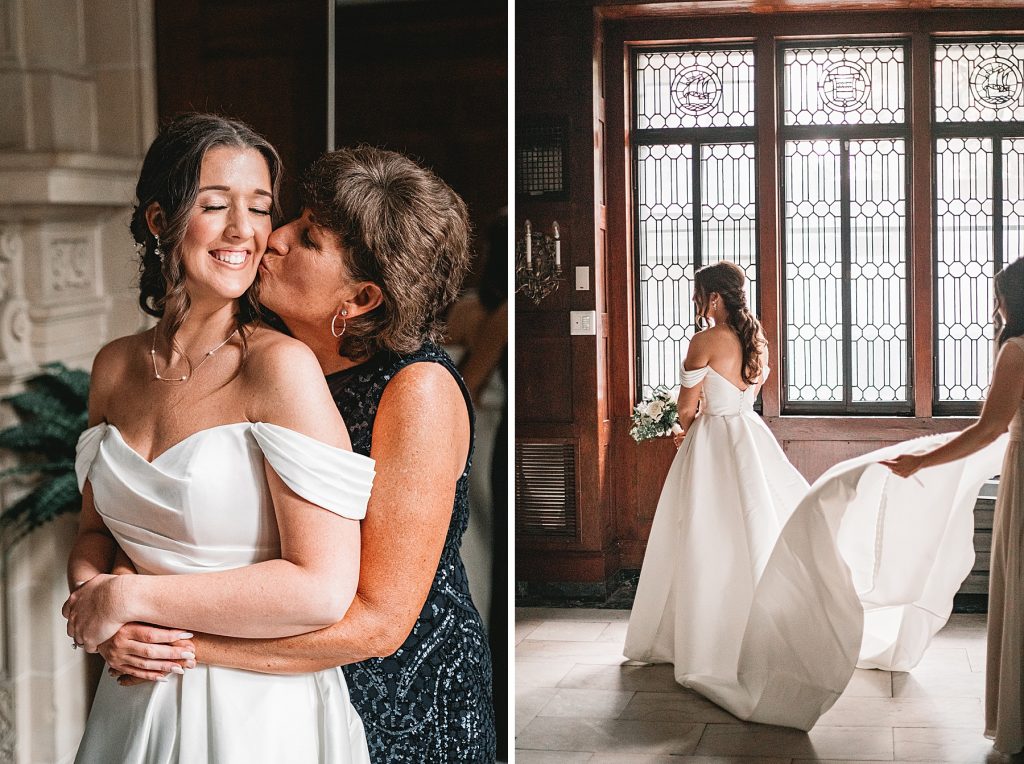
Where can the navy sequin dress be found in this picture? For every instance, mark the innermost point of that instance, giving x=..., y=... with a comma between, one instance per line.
x=431, y=700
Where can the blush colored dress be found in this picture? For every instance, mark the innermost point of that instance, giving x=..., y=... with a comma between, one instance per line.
x=204, y=505
x=1004, y=669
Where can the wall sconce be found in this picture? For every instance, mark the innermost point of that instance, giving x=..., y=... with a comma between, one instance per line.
x=538, y=262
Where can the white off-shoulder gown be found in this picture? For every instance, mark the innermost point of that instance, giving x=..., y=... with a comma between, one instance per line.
x=765, y=593
x=204, y=505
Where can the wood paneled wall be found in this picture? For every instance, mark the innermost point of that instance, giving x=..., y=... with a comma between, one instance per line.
x=264, y=63
x=562, y=380
x=571, y=66
x=430, y=79
x=425, y=78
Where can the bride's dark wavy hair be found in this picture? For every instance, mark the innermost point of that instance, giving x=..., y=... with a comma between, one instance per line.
x=170, y=177
x=729, y=280
x=1009, y=283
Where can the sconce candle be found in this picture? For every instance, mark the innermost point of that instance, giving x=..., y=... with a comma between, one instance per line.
x=558, y=245
x=529, y=244
x=538, y=262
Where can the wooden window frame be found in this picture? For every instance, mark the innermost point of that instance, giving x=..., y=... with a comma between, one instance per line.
x=921, y=28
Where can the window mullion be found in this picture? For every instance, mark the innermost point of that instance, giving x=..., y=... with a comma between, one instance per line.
x=997, y=204
x=698, y=237
x=845, y=255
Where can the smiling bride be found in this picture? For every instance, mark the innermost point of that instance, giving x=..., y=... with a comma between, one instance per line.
x=217, y=461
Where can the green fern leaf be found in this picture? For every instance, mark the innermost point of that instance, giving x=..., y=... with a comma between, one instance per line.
x=54, y=498
x=38, y=468
x=40, y=405
x=69, y=386
x=53, y=412
x=40, y=438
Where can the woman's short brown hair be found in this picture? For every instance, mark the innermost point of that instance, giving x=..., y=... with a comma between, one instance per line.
x=408, y=233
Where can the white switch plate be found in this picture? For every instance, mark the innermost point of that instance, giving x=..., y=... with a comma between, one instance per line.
x=582, y=322
x=582, y=278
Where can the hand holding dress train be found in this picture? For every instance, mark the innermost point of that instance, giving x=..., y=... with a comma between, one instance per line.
x=765, y=594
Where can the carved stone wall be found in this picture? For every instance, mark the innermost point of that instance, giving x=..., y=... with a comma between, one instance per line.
x=77, y=88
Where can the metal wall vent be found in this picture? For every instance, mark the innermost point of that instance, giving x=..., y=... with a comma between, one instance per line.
x=546, y=489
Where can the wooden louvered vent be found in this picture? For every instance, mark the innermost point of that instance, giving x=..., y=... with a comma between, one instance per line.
x=546, y=489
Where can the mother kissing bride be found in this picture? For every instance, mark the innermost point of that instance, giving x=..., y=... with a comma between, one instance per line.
x=360, y=278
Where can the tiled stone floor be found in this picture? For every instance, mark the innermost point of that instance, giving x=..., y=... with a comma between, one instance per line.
x=579, y=700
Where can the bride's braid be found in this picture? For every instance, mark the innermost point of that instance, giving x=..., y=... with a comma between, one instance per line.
x=728, y=280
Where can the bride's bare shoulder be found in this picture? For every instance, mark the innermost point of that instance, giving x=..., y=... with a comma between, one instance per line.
x=716, y=337
x=268, y=350
x=114, y=366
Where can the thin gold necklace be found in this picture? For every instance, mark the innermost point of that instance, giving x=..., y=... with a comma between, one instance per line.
x=185, y=377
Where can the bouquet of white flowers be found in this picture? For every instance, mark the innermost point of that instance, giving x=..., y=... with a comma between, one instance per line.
x=653, y=417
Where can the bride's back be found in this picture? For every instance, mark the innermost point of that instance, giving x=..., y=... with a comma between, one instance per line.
x=725, y=354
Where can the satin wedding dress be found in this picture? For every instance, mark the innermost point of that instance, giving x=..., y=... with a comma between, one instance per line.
x=204, y=505
x=765, y=593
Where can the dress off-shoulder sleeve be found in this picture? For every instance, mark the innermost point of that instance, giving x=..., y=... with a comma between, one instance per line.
x=693, y=377
x=333, y=478
x=86, y=450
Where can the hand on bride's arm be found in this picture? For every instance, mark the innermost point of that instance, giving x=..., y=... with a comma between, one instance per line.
x=95, y=610
x=144, y=652
x=148, y=652
x=420, y=443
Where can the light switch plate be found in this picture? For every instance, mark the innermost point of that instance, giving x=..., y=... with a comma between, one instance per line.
x=582, y=322
x=582, y=278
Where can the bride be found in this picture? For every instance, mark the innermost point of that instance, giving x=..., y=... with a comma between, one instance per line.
x=726, y=497
x=765, y=593
x=217, y=461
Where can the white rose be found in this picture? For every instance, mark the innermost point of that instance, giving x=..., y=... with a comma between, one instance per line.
x=655, y=409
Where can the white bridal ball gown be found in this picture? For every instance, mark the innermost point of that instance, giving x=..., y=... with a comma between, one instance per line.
x=204, y=505
x=765, y=594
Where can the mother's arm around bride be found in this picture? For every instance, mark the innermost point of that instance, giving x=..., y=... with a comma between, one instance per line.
x=362, y=277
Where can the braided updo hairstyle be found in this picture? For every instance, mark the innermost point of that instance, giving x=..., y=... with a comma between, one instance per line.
x=1009, y=284
x=170, y=178
x=728, y=280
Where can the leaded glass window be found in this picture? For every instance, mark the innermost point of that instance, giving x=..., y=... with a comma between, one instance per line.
x=695, y=189
x=979, y=208
x=844, y=179
x=843, y=85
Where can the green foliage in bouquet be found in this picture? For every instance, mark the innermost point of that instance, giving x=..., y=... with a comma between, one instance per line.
x=653, y=417
x=52, y=413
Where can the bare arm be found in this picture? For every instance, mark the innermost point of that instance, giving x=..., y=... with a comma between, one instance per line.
x=311, y=585
x=485, y=352
x=93, y=550
x=420, y=443
x=698, y=355
x=1002, y=403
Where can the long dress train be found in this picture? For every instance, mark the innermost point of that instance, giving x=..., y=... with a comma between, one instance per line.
x=204, y=505
x=764, y=594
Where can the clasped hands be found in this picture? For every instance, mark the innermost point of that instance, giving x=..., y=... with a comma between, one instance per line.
x=96, y=620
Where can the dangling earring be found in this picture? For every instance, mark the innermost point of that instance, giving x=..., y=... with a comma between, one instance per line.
x=344, y=324
x=157, y=251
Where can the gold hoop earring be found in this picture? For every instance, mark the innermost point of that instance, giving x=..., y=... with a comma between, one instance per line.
x=344, y=324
